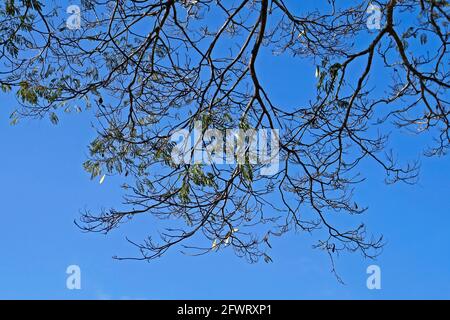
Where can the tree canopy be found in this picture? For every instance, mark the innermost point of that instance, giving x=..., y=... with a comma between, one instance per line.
x=152, y=68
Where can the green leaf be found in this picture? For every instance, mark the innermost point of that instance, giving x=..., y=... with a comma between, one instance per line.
x=54, y=118
x=247, y=172
x=183, y=193
x=6, y=87
x=14, y=121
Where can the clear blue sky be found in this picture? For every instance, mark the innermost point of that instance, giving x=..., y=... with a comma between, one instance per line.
x=43, y=187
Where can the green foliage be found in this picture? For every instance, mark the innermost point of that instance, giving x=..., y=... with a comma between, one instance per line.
x=31, y=94
x=198, y=176
x=183, y=193
x=14, y=118
x=93, y=167
x=5, y=87
x=243, y=124
x=10, y=8
x=246, y=171
x=27, y=93
x=54, y=118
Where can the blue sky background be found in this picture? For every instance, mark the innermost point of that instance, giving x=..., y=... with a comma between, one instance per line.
x=43, y=188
